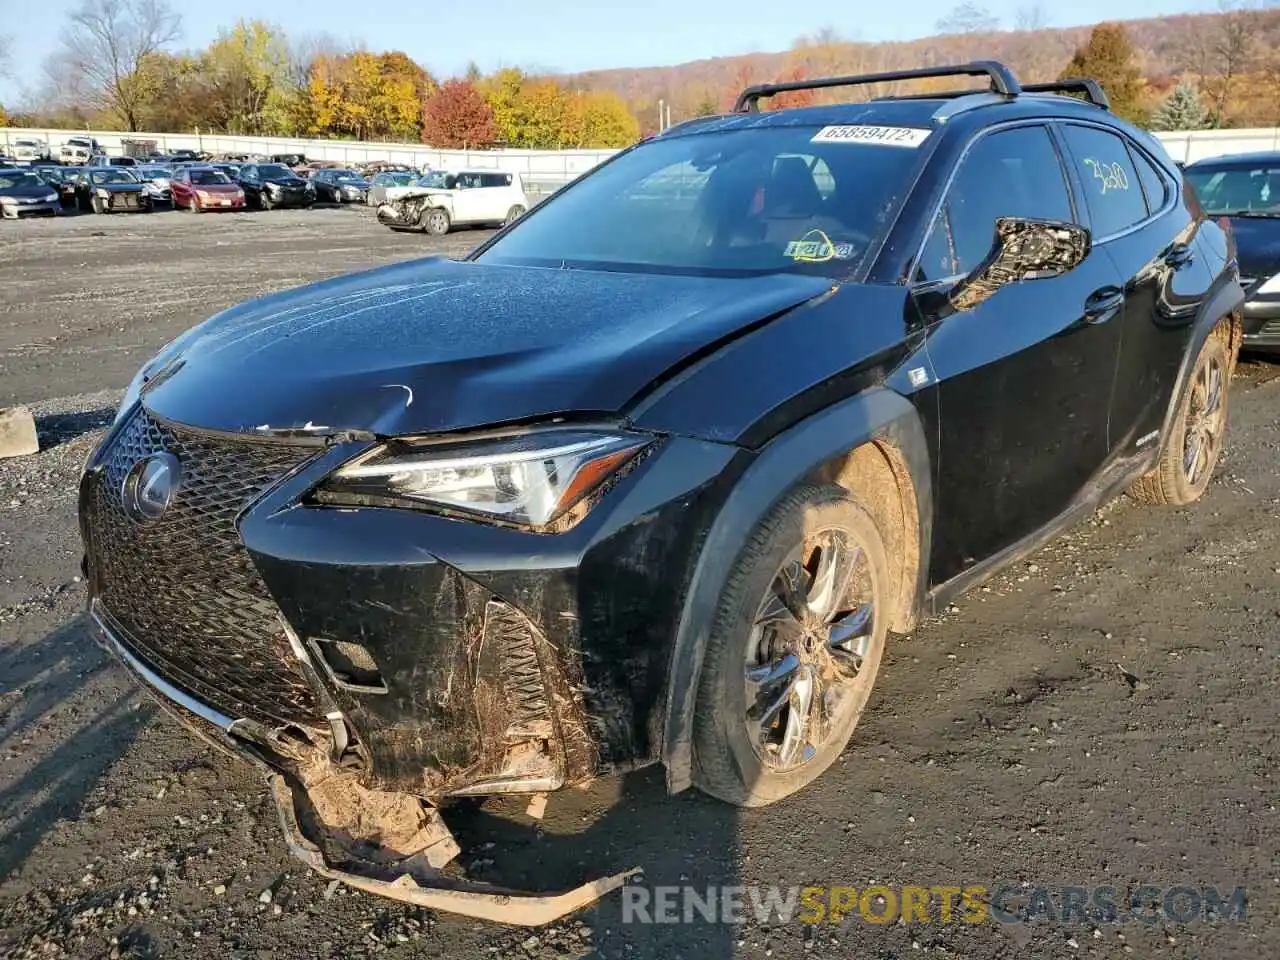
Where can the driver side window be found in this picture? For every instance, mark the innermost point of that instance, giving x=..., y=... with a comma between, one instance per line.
x=1010, y=173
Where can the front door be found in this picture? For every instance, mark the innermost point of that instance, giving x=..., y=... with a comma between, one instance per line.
x=1025, y=377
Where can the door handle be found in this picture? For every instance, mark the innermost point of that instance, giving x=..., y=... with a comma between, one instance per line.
x=1179, y=255
x=1103, y=304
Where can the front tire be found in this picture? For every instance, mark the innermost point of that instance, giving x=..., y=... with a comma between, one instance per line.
x=1195, y=439
x=514, y=214
x=436, y=222
x=794, y=649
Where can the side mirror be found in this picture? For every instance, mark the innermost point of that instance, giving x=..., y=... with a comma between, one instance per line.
x=1022, y=250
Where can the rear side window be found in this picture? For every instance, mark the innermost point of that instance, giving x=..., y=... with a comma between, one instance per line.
x=1010, y=173
x=1112, y=187
x=1153, y=183
x=495, y=179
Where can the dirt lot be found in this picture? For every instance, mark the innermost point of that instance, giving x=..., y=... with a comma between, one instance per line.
x=1105, y=714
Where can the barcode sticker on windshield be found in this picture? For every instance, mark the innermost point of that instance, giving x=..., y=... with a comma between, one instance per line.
x=863, y=133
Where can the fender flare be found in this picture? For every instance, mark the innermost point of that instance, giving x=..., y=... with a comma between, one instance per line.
x=790, y=458
x=1225, y=298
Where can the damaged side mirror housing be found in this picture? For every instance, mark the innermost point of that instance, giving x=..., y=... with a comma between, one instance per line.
x=1022, y=250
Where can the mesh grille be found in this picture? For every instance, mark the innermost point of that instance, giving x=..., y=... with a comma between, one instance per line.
x=183, y=587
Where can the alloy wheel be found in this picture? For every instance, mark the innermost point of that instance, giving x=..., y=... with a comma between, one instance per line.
x=812, y=632
x=1206, y=420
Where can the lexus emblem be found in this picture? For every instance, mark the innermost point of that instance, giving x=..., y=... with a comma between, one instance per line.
x=150, y=485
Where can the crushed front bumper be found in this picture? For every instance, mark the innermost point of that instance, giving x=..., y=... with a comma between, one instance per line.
x=355, y=828
x=1262, y=323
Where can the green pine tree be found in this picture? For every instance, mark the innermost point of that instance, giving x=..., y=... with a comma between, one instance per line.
x=1110, y=58
x=1181, y=110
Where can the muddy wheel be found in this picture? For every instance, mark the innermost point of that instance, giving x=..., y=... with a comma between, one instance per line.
x=436, y=222
x=794, y=649
x=1195, y=440
x=514, y=214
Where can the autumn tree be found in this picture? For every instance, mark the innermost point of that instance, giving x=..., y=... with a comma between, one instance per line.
x=1181, y=110
x=367, y=96
x=6, y=54
x=241, y=71
x=599, y=119
x=1109, y=57
x=458, y=116
x=107, y=44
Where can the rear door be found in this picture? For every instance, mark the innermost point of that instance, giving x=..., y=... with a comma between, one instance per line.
x=1144, y=224
x=1025, y=377
x=468, y=199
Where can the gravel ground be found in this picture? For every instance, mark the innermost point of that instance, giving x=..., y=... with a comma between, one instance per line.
x=1103, y=714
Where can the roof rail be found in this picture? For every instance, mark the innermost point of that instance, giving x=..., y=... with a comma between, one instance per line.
x=1091, y=89
x=1001, y=77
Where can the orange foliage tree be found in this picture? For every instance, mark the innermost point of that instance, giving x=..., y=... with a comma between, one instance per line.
x=458, y=116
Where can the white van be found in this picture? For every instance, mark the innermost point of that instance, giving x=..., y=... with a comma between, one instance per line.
x=27, y=149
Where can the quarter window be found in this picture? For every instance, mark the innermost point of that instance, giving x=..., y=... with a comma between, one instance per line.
x=1112, y=187
x=1010, y=173
x=1153, y=183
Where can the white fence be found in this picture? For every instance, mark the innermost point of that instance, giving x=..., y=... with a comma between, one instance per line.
x=1189, y=146
x=548, y=166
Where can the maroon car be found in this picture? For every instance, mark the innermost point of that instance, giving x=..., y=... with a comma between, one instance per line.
x=203, y=188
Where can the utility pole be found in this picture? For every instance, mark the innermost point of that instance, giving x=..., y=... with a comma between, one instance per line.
x=661, y=115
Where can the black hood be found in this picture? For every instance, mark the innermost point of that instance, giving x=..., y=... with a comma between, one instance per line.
x=285, y=181
x=436, y=345
x=1257, y=245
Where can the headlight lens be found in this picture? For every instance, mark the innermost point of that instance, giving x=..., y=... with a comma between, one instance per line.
x=104, y=193
x=530, y=480
x=50, y=198
x=1271, y=285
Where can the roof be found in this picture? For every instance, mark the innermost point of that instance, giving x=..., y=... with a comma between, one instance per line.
x=928, y=112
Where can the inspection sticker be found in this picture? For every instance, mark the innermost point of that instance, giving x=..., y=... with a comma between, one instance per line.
x=866, y=133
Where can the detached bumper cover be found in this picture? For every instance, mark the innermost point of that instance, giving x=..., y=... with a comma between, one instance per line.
x=411, y=880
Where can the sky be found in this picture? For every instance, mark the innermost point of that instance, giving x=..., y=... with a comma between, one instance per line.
x=561, y=35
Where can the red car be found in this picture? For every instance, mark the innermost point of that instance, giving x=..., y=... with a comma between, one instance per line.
x=203, y=188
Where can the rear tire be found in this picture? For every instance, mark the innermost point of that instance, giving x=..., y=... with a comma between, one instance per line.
x=1194, y=445
x=436, y=222
x=794, y=649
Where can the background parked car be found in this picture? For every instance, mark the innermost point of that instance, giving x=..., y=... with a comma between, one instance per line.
x=110, y=190
x=204, y=188
x=381, y=182
x=24, y=194
x=62, y=180
x=340, y=186
x=77, y=150
x=232, y=170
x=30, y=149
x=467, y=198
x=268, y=185
x=156, y=182
x=102, y=160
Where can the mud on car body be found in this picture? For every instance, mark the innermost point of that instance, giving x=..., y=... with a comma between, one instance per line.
x=654, y=473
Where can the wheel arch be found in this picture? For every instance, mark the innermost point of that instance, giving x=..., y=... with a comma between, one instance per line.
x=872, y=444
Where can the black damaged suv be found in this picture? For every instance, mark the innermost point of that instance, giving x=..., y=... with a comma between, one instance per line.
x=655, y=473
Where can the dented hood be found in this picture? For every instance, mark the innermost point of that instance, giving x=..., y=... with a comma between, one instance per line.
x=436, y=345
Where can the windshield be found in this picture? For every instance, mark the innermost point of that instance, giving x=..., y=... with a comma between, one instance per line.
x=13, y=180
x=739, y=201
x=269, y=170
x=206, y=178
x=437, y=180
x=1238, y=190
x=113, y=176
x=346, y=176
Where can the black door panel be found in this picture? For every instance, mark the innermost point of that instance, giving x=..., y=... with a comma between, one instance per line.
x=1025, y=378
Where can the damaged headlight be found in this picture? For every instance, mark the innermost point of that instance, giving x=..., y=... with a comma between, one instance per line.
x=530, y=480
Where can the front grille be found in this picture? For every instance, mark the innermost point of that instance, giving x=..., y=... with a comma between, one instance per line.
x=1269, y=329
x=124, y=201
x=183, y=588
